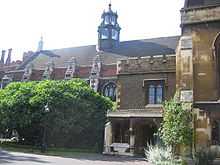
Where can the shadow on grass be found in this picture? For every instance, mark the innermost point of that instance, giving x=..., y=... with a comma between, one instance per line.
x=36, y=156
x=7, y=157
x=104, y=158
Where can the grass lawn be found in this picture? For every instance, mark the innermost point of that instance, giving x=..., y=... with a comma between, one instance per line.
x=64, y=152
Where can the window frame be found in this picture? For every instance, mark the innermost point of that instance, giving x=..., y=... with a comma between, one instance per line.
x=105, y=33
x=155, y=84
x=108, y=85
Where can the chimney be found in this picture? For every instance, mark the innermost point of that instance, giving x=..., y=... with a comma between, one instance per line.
x=8, y=61
x=3, y=57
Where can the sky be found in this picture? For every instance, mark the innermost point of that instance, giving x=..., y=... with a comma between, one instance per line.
x=69, y=23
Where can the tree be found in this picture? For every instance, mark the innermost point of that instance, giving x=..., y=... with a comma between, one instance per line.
x=76, y=118
x=176, y=128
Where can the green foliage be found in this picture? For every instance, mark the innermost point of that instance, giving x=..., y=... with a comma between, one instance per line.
x=158, y=155
x=76, y=117
x=176, y=127
x=205, y=157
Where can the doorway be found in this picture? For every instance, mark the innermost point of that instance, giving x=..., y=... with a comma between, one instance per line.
x=145, y=134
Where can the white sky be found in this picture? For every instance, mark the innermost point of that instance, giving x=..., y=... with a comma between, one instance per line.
x=69, y=23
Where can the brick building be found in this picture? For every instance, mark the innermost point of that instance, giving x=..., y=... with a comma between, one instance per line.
x=193, y=71
x=97, y=64
x=141, y=74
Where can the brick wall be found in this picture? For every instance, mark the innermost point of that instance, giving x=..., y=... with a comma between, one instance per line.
x=133, y=72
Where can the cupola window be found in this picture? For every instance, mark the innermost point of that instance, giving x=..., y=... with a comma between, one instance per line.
x=107, y=19
x=105, y=34
x=114, y=34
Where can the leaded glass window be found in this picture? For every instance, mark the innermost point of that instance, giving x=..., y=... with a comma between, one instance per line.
x=107, y=19
x=159, y=94
x=151, y=94
x=114, y=34
x=110, y=91
x=155, y=92
x=105, y=34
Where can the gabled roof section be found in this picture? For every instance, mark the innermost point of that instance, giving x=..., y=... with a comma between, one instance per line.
x=85, y=54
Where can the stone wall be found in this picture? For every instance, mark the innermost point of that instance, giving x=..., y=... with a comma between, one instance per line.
x=204, y=61
x=198, y=15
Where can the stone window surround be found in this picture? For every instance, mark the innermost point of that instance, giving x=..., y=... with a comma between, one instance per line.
x=146, y=85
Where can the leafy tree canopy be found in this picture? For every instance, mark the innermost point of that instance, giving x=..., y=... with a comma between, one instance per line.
x=76, y=114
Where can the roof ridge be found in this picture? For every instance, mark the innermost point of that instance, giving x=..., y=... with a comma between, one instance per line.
x=174, y=36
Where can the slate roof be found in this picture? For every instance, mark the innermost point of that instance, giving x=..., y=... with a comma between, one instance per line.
x=201, y=3
x=85, y=54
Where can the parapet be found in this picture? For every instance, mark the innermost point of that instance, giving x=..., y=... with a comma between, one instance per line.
x=151, y=64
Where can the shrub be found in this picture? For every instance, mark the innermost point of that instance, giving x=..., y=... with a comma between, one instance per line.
x=205, y=157
x=161, y=156
x=176, y=128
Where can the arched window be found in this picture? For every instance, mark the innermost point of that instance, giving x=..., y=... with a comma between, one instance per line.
x=105, y=33
x=110, y=91
x=107, y=19
x=112, y=20
x=114, y=34
x=217, y=58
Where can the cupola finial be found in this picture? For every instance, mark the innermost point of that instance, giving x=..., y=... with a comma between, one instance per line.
x=110, y=5
x=109, y=30
x=40, y=44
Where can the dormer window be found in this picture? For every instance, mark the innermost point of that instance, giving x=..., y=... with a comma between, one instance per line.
x=5, y=81
x=68, y=75
x=45, y=77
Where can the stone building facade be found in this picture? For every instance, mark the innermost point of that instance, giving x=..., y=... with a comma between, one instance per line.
x=140, y=74
x=96, y=64
x=143, y=84
x=192, y=72
x=198, y=68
